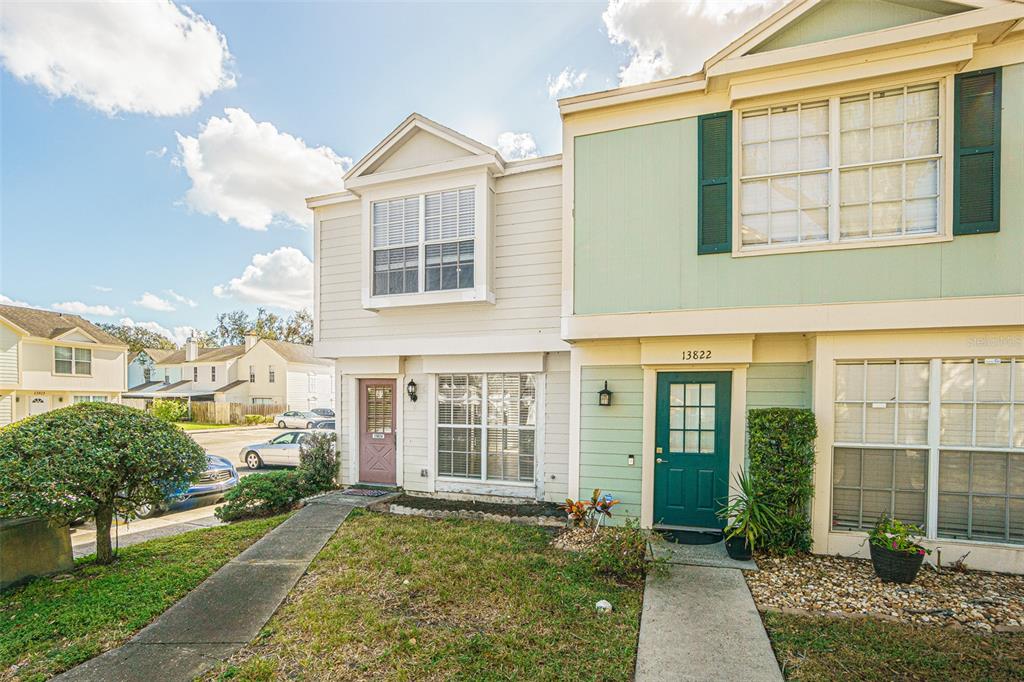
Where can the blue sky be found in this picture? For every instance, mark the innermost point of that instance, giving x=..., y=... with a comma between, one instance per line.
x=124, y=197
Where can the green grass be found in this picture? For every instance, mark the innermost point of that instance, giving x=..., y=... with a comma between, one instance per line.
x=192, y=426
x=824, y=648
x=407, y=598
x=50, y=625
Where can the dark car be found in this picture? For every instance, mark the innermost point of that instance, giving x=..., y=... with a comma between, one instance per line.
x=220, y=476
x=324, y=425
x=323, y=411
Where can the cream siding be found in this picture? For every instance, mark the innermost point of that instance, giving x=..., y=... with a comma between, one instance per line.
x=108, y=370
x=8, y=356
x=527, y=272
x=413, y=432
x=6, y=409
x=556, y=428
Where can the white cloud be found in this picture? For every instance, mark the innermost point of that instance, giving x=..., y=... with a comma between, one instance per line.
x=154, y=302
x=79, y=308
x=178, y=334
x=250, y=172
x=514, y=146
x=181, y=299
x=567, y=80
x=674, y=38
x=104, y=289
x=281, y=279
x=7, y=300
x=148, y=57
x=157, y=153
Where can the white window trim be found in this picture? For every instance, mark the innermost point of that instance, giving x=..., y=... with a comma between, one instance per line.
x=74, y=363
x=483, y=203
x=946, y=148
x=537, y=428
x=934, y=446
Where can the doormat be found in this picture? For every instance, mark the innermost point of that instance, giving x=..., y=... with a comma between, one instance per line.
x=364, y=492
x=691, y=537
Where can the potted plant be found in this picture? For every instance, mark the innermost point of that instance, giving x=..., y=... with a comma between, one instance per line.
x=895, y=552
x=748, y=516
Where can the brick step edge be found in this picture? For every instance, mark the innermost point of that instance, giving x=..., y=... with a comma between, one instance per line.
x=401, y=510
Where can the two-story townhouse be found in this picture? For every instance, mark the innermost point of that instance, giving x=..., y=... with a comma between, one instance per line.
x=142, y=368
x=256, y=372
x=438, y=287
x=50, y=360
x=828, y=215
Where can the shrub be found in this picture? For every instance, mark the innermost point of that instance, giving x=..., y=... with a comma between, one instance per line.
x=782, y=463
x=620, y=553
x=255, y=419
x=589, y=513
x=169, y=410
x=93, y=459
x=266, y=494
x=318, y=462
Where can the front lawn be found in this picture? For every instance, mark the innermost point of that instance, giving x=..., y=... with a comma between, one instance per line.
x=407, y=598
x=193, y=426
x=827, y=648
x=52, y=624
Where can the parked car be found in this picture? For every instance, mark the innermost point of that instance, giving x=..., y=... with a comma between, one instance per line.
x=294, y=419
x=279, y=450
x=324, y=425
x=323, y=412
x=220, y=476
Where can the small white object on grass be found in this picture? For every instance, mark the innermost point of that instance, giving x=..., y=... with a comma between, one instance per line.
x=603, y=606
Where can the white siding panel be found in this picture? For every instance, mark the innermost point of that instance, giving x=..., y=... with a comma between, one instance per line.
x=527, y=273
x=298, y=390
x=556, y=432
x=6, y=410
x=8, y=356
x=414, y=434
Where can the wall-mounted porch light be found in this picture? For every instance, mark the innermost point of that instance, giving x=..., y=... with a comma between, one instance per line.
x=410, y=388
x=604, y=396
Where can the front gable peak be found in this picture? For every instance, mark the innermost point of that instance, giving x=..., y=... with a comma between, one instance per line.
x=420, y=146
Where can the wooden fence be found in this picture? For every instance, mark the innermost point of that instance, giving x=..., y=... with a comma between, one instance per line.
x=230, y=413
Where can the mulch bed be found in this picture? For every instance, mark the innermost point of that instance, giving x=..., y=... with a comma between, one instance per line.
x=840, y=586
x=532, y=509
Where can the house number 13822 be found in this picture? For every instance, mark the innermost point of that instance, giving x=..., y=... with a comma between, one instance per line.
x=696, y=355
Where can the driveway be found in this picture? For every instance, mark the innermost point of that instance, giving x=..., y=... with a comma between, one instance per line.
x=224, y=443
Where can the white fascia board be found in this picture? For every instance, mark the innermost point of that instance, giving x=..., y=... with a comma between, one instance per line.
x=331, y=199
x=489, y=161
x=648, y=91
x=441, y=345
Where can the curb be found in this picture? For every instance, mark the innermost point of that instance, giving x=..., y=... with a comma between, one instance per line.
x=233, y=428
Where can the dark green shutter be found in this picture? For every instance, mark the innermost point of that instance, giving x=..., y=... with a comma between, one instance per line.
x=714, y=190
x=976, y=160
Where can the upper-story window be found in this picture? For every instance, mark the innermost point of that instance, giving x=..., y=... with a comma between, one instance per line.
x=213, y=374
x=271, y=376
x=195, y=374
x=424, y=243
x=252, y=374
x=842, y=169
x=67, y=360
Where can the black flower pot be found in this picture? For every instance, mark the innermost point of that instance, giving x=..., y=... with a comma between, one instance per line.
x=738, y=548
x=895, y=567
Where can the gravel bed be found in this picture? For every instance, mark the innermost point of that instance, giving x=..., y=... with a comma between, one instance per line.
x=576, y=539
x=840, y=586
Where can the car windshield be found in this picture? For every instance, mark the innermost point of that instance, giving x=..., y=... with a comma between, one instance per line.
x=286, y=438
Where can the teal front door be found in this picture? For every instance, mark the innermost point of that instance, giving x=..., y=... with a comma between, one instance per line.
x=691, y=469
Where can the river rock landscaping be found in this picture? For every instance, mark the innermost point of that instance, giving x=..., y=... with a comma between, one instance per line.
x=988, y=602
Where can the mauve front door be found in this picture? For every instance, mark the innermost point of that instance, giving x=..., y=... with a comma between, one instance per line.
x=377, y=431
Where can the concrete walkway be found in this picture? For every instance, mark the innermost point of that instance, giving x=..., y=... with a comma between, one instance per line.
x=226, y=611
x=699, y=623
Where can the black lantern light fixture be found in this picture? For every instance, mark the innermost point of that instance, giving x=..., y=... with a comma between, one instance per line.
x=410, y=388
x=604, y=396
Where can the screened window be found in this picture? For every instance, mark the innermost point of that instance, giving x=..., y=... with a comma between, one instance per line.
x=842, y=169
x=962, y=419
x=271, y=375
x=424, y=243
x=68, y=360
x=89, y=399
x=492, y=438
x=252, y=374
x=147, y=374
x=213, y=374
x=195, y=374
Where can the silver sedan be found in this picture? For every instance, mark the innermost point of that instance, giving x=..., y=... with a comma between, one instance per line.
x=296, y=419
x=282, y=450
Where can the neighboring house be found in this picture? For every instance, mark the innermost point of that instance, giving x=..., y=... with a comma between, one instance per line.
x=260, y=371
x=50, y=360
x=828, y=215
x=142, y=368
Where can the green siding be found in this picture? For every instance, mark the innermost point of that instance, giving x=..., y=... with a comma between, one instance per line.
x=608, y=435
x=840, y=18
x=782, y=384
x=636, y=235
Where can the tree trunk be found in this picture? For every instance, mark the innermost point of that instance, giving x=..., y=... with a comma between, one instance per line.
x=104, y=516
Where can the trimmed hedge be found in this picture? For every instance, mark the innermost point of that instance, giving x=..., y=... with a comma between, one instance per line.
x=782, y=462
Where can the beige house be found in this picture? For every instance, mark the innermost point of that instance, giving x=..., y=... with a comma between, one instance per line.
x=258, y=372
x=50, y=360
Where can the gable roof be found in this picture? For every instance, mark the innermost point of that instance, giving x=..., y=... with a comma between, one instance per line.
x=155, y=354
x=417, y=124
x=205, y=355
x=51, y=325
x=295, y=352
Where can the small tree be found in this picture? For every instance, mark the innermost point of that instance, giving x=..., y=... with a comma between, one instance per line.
x=169, y=409
x=93, y=459
x=318, y=462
